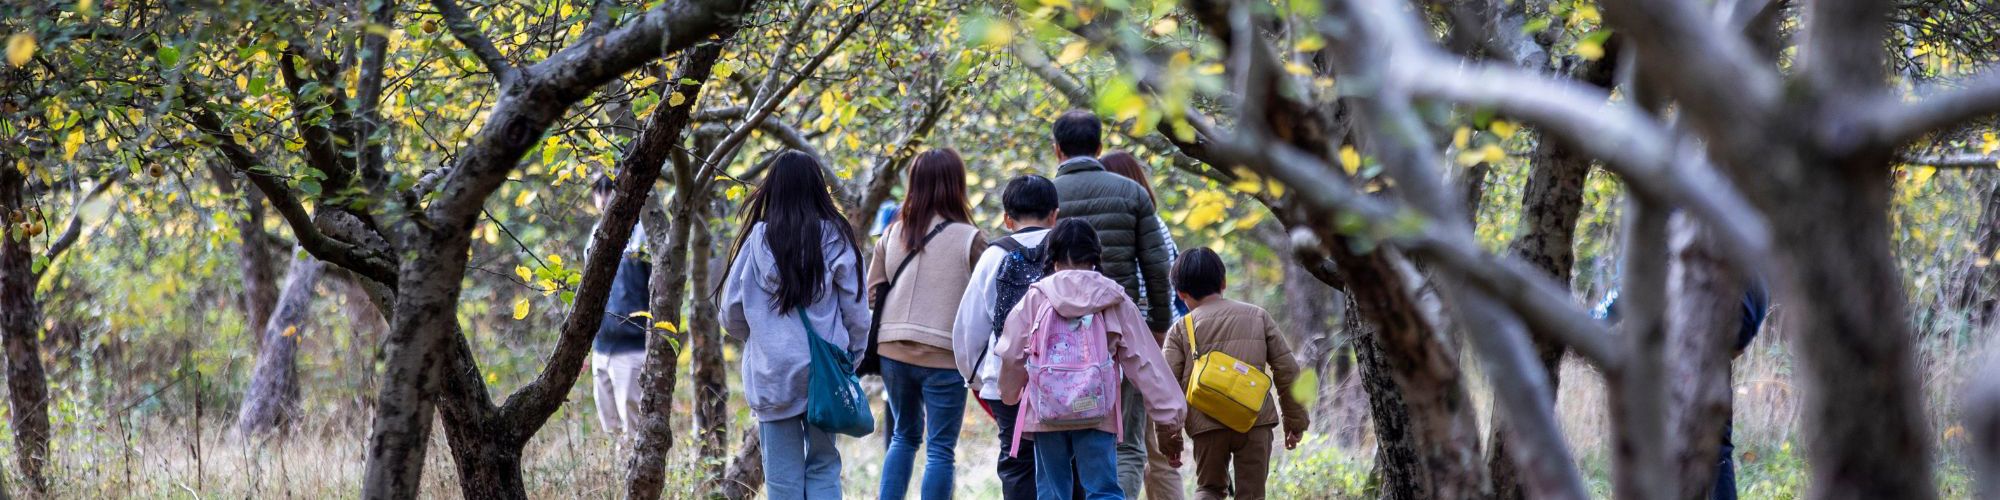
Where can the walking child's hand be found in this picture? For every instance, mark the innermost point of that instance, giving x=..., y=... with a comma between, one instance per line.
x=1170, y=445
x=1292, y=437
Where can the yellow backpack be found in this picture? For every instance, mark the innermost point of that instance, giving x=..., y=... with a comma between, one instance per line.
x=1226, y=389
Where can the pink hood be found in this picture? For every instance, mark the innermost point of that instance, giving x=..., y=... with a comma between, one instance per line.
x=1077, y=293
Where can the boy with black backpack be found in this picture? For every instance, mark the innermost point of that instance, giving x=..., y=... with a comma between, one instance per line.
x=999, y=279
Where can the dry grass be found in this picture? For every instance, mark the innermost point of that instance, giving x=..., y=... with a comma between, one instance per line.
x=111, y=457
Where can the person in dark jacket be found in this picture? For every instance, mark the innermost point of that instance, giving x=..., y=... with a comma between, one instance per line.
x=1135, y=248
x=1756, y=304
x=618, y=354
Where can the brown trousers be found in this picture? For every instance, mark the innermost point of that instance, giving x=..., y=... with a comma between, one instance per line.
x=1215, y=451
x=1163, y=482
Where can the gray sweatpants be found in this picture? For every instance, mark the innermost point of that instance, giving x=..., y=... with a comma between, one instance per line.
x=1132, y=445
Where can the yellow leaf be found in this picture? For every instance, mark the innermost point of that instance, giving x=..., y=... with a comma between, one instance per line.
x=555, y=259
x=522, y=199
x=1248, y=184
x=998, y=34
x=1165, y=26
x=1988, y=142
x=640, y=314
x=1212, y=69
x=291, y=330
x=1461, y=137
x=1204, y=215
x=1350, y=159
x=1921, y=175
x=521, y=308
x=1590, y=50
x=676, y=99
x=1072, y=52
x=71, y=143
x=1492, y=153
x=733, y=193
x=524, y=273
x=20, y=48
x=1311, y=43
x=669, y=326
x=1297, y=69
x=492, y=378
x=1250, y=221
x=1504, y=129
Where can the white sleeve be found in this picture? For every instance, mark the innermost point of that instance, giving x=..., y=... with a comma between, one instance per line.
x=973, y=327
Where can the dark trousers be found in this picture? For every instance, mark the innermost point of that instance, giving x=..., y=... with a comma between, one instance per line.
x=1725, y=470
x=1017, y=471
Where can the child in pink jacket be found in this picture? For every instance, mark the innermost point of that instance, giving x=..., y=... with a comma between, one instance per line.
x=1074, y=289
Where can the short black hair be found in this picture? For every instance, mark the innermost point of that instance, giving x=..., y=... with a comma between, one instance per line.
x=1029, y=197
x=1078, y=133
x=602, y=186
x=1072, y=242
x=1199, y=273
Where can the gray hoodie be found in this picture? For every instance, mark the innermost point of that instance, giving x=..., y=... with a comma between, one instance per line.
x=776, y=354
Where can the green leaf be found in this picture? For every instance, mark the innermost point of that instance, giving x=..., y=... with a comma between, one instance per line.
x=1535, y=25
x=168, y=55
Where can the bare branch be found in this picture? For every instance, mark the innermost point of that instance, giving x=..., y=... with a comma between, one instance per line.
x=73, y=230
x=467, y=32
x=340, y=253
x=547, y=89
x=1967, y=161
x=767, y=104
x=1639, y=409
x=1632, y=144
x=1690, y=54
x=1895, y=122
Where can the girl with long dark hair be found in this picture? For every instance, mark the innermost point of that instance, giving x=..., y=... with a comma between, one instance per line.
x=920, y=269
x=795, y=257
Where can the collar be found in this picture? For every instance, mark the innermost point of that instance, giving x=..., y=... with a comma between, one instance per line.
x=1029, y=229
x=1079, y=164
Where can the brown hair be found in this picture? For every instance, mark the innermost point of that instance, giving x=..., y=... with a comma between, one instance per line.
x=936, y=189
x=1123, y=163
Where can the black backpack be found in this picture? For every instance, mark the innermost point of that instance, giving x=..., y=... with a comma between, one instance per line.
x=1022, y=267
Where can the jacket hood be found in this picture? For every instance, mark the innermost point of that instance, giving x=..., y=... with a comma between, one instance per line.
x=1078, y=293
x=830, y=246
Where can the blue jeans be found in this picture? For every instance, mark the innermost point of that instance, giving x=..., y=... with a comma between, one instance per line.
x=924, y=404
x=1088, y=453
x=800, y=461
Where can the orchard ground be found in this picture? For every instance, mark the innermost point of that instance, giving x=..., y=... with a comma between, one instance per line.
x=198, y=458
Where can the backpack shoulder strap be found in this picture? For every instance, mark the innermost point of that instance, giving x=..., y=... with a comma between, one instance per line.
x=1009, y=244
x=1187, y=323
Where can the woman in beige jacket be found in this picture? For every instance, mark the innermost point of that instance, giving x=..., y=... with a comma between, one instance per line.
x=923, y=263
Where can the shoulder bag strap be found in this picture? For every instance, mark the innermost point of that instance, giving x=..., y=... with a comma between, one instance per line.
x=1187, y=323
x=891, y=285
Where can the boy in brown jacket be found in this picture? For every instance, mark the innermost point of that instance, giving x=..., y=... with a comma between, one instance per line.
x=1249, y=334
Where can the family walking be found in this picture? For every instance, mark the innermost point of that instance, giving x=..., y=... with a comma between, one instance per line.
x=1092, y=343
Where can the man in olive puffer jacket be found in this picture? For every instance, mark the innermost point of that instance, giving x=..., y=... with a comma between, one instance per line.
x=1135, y=246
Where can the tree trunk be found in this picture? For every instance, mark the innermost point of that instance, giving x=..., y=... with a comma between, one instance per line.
x=1550, y=205
x=1703, y=312
x=645, y=470
x=272, y=400
x=1399, y=473
x=1426, y=411
x=1845, y=292
x=711, y=384
x=260, y=292
x=20, y=323
x=746, y=472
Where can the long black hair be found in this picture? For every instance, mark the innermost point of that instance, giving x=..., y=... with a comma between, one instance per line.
x=794, y=206
x=1072, y=242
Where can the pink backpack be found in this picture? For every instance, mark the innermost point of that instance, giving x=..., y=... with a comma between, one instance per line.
x=1072, y=380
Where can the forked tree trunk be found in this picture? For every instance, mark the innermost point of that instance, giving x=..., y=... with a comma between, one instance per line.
x=1703, y=312
x=271, y=402
x=20, y=324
